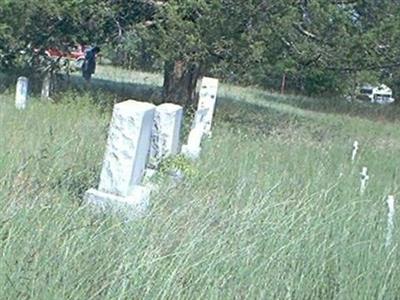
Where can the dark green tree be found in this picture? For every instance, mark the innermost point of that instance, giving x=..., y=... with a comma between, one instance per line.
x=317, y=46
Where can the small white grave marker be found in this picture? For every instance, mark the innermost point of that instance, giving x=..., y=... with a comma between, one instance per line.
x=364, y=178
x=207, y=100
x=193, y=147
x=390, y=224
x=46, y=86
x=166, y=132
x=355, y=150
x=21, y=95
x=126, y=155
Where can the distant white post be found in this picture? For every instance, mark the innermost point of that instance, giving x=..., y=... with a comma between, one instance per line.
x=46, y=86
x=355, y=150
x=21, y=95
x=193, y=147
x=207, y=100
x=390, y=224
x=165, y=135
x=126, y=155
x=364, y=178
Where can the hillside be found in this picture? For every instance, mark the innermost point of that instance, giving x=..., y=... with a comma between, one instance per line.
x=271, y=210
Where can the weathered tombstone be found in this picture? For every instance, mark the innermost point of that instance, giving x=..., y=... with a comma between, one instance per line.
x=126, y=155
x=390, y=224
x=207, y=100
x=166, y=132
x=46, y=86
x=21, y=95
x=355, y=150
x=193, y=147
x=364, y=178
x=203, y=119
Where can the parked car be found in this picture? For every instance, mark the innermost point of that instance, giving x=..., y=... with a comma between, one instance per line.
x=76, y=53
x=381, y=94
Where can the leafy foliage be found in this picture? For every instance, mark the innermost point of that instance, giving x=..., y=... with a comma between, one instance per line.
x=318, y=46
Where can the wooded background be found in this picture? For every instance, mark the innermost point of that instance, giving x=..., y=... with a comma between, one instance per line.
x=315, y=47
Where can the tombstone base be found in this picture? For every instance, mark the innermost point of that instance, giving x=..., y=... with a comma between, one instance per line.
x=191, y=152
x=134, y=206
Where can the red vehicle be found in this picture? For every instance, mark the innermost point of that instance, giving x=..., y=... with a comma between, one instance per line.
x=77, y=53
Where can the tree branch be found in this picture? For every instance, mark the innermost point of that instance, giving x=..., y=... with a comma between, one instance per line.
x=304, y=32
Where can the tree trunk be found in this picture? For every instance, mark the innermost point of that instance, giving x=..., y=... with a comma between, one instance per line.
x=283, y=84
x=180, y=79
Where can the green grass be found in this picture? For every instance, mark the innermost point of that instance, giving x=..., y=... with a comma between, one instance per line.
x=272, y=211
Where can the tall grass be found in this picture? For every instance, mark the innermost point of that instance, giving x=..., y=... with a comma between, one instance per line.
x=272, y=210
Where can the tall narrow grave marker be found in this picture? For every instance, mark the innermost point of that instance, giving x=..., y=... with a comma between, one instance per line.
x=390, y=224
x=355, y=150
x=207, y=100
x=46, y=86
x=203, y=118
x=21, y=94
x=364, y=179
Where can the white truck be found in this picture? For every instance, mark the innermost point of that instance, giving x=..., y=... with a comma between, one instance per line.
x=381, y=94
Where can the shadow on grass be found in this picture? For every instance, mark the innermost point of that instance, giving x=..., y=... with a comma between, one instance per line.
x=254, y=118
x=259, y=121
x=243, y=116
x=116, y=90
x=107, y=92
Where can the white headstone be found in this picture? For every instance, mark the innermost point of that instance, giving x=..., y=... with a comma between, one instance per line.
x=203, y=119
x=364, y=178
x=390, y=224
x=166, y=132
x=21, y=95
x=46, y=85
x=193, y=147
x=126, y=155
x=207, y=100
x=354, y=152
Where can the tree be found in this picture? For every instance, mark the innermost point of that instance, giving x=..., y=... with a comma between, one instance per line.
x=29, y=27
x=318, y=46
x=193, y=36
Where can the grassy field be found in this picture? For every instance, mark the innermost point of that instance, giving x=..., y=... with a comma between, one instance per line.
x=272, y=210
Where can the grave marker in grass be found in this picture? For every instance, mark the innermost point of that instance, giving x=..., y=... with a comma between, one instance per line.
x=364, y=177
x=165, y=136
x=46, y=87
x=390, y=222
x=193, y=147
x=207, y=101
x=124, y=163
x=354, y=152
x=21, y=94
x=202, y=122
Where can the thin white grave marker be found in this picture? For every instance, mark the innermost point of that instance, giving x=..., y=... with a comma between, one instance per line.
x=355, y=150
x=364, y=179
x=126, y=155
x=207, y=100
x=21, y=95
x=203, y=118
x=193, y=147
x=390, y=224
x=46, y=86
